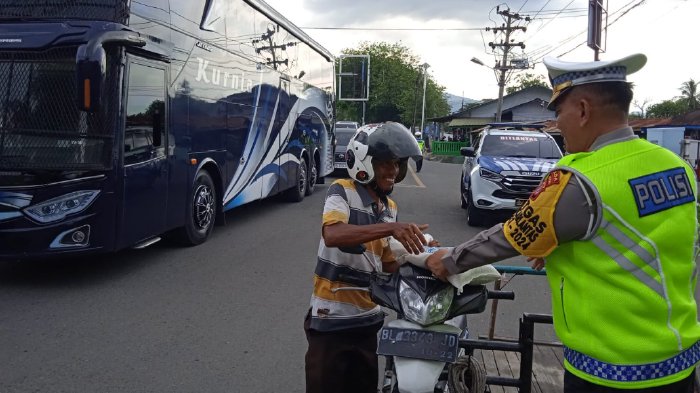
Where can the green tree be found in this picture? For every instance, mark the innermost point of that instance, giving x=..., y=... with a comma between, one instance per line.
x=396, y=87
x=523, y=81
x=690, y=94
x=667, y=108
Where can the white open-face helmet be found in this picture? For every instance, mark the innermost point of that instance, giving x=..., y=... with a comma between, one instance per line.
x=382, y=141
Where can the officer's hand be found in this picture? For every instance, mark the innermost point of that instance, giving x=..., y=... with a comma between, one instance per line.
x=410, y=235
x=537, y=263
x=434, y=263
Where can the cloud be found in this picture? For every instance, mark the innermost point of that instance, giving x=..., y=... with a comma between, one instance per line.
x=373, y=12
x=448, y=52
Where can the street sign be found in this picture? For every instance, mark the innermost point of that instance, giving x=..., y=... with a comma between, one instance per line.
x=353, y=78
x=596, y=24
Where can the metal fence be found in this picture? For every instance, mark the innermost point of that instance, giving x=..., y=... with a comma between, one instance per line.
x=447, y=148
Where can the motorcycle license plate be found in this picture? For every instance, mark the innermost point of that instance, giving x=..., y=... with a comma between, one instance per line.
x=418, y=344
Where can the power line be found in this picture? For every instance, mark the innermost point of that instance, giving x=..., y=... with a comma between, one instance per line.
x=395, y=29
x=548, y=22
x=571, y=38
x=555, y=11
x=521, y=7
x=538, y=12
x=609, y=24
x=563, y=17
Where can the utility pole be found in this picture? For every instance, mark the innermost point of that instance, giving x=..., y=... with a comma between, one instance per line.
x=503, y=66
x=425, y=81
x=415, y=103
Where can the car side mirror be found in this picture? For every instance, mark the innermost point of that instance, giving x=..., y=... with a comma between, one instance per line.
x=467, y=151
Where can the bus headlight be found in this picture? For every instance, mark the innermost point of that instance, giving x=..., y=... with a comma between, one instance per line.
x=58, y=208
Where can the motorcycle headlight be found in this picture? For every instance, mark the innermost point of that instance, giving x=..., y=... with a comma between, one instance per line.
x=58, y=208
x=490, y=175
x=433, y=310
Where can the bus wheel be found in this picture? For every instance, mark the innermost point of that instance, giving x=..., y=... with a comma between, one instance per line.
x=313, y=177
x=201, y=210
x=297, y=192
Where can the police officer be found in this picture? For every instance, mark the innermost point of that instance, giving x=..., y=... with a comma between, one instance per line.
x=616, y=221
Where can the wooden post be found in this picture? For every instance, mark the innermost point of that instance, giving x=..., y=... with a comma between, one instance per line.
x=494, y=309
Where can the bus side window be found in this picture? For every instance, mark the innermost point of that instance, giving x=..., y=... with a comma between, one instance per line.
x=144, y=135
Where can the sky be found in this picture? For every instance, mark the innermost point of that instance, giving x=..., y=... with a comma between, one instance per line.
x=666, y=31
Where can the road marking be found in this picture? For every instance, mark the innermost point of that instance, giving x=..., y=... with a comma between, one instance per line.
x=415, y=177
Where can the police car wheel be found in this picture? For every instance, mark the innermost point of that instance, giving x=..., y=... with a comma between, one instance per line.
x=475, y=216
x=462, y=202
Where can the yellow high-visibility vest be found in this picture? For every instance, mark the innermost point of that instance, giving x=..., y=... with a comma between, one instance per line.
x=623, y=298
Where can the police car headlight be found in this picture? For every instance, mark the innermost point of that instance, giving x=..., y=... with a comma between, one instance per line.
x=57, y=209
x=490, y=175
x=434, y=309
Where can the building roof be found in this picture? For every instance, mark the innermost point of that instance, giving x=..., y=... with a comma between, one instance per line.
x=545, y=92
x=538, y=101
x=470, y=121
x=638, y=124
x=510, y=102
x=690, y=118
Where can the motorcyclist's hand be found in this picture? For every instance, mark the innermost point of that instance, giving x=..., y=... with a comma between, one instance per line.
x=434, y=243
x=410, y=235
x=537, y=263
x=434, y=263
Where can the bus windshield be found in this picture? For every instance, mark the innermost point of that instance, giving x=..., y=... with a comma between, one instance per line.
x=41, y=127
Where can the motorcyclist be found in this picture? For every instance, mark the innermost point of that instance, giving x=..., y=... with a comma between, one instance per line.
x=358, y=218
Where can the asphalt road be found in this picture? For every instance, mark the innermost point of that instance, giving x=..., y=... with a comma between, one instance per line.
x=222, y=317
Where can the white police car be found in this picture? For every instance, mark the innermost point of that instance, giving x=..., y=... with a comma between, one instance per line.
x=505, y=164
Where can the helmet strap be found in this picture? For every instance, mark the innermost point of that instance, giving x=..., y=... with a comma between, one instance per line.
x=380, y=193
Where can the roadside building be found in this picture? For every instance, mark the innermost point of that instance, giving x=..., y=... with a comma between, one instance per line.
x=528, y=105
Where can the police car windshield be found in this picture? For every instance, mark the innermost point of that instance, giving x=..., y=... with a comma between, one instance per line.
x=519, y=146
x=343, y=136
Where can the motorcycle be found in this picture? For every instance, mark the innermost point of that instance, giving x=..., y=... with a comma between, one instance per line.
x=421, y=345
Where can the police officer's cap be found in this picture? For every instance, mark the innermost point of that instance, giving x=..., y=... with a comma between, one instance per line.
x=564, y=75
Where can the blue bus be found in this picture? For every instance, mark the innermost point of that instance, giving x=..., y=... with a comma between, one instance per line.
x=123, y=120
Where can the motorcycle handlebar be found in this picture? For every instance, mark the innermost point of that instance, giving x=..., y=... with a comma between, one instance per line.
x=509, y=295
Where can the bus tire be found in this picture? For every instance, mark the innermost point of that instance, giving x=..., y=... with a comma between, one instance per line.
x=297, y=192
x=313, y=178
x=201, y=211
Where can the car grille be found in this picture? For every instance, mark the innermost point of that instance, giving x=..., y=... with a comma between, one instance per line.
x=340, y=157
x=517, y=186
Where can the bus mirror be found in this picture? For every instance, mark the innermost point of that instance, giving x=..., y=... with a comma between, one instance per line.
x=90, y=71
x=91, y=65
